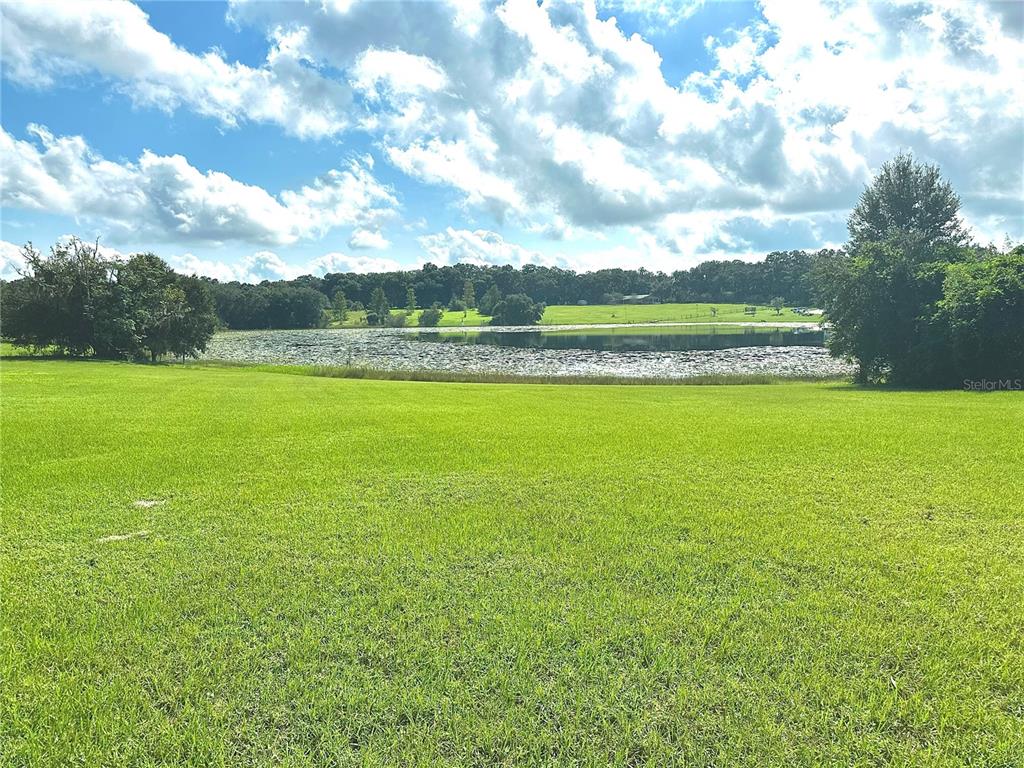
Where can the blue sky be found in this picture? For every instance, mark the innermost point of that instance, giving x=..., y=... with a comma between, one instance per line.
x=263, y=140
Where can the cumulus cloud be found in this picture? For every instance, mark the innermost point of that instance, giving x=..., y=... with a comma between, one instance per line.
x=166, y=198
x=395, y=72
x=267, y=265
x=369, y=239
x=340, y=262
x=551, y=113
x=46, y=40
x=11, y=260
x=657, y=13
x=453, y=246
x=552, y=119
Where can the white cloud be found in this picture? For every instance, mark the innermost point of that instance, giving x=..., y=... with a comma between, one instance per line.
x=190, y=264
x=267, y=265
x=340, y=262
x=45, y=40
x=658, y=14
x=551, y=118
x=369, y=239
x=397, y=72
x=480, y=247
x=11, y=260
x=166, y=198
x=551, y=112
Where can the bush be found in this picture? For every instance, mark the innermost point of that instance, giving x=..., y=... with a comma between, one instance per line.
x=489, y=301
x=372, y=318
x=517, y=309
x=431, y=317
x=456, y=305
x=396, y=320
x=981, y=314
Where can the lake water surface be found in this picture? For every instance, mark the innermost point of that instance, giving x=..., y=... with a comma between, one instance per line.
x=633, y=339
x=633, y=351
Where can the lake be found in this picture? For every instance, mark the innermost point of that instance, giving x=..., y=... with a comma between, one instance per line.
x=631, y=339
x=631, y=351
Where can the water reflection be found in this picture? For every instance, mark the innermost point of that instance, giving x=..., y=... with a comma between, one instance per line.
x=635, y=342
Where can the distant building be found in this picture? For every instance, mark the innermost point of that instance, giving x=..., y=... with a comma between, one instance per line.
x=639, y=298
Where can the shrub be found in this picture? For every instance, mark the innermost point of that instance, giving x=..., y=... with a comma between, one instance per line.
x=431, y=317
x=517, y=309
x=490, y=299
x=981, y=314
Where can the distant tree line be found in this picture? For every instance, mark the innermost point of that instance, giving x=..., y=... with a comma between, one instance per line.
x=300, y=303
x=78, y=302
x=910, y=299
x=784, y=274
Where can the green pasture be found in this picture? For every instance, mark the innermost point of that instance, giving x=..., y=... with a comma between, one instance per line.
x=666, y=313
x=700, y=329
x=231, y=567
x=357, y=319
x=610, y=313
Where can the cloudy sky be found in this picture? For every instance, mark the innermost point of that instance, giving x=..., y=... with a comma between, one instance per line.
x=258, y=140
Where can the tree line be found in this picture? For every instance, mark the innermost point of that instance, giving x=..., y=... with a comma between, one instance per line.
x=299, y=303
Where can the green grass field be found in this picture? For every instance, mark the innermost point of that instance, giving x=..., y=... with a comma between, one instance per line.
x=357, y=319
x=206, y=566
x=613, y=313
x=700, y=329
x=666, y=313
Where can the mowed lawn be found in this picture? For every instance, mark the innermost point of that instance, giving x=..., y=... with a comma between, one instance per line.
x=560, y=314
x=469, y=318
x=343, y=572
x=667, y=313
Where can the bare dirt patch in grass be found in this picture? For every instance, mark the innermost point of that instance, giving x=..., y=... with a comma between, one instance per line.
x=123, y=536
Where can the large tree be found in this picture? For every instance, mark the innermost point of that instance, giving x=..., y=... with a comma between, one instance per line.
x=152, y=300
x=907, y=199
x=489, y=300
x=909, y=301
x=379, y=306
x=879, y=301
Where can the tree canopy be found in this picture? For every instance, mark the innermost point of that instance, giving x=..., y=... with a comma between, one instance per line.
x=907, y=198
x=517, y=309
x=911, y=301
x=79, y=302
